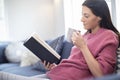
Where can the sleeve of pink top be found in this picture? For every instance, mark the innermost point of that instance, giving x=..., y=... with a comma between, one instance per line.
x=107, y=57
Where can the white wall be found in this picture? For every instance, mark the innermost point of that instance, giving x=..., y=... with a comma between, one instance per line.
x=118, y=14
x=26, y=16
x=59, y=17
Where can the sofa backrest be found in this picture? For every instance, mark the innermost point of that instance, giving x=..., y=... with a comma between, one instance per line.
x=2, y=50
x=118, y=61
x=66, y=50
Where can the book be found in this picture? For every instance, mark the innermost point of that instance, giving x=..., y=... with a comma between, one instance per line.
x=41, y=49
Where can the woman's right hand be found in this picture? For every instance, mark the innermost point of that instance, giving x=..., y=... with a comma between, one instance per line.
x=49, y=66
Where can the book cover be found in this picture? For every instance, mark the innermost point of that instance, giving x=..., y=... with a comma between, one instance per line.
x=41, y=49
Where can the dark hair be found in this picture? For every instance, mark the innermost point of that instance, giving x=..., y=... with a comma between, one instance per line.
x=100, y=8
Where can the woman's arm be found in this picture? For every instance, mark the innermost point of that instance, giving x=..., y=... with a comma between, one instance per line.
x=92, y=63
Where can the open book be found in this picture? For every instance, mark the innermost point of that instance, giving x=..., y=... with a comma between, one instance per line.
x=41, y=49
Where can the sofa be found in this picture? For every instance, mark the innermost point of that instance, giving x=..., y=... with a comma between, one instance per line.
x=63, y=48
x=37, y=68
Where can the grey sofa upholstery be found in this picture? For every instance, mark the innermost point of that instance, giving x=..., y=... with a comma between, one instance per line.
x=118, y=61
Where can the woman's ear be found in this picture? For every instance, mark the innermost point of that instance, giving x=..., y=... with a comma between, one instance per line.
x=99, y=18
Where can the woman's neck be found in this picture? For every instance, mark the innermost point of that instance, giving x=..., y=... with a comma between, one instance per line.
x=94, y=30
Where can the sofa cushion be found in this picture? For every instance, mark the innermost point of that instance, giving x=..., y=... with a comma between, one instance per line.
x=66, y=49
x=2, y=49
x=57, y=43
x=28, y=58
x=39, y=66
x=24, y=71
x=7, y=65
x=14, y=51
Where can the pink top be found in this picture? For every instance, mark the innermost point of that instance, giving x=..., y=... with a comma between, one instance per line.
x=102, y=45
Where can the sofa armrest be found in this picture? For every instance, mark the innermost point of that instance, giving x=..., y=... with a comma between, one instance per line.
x=118, y=61
x=2, y=50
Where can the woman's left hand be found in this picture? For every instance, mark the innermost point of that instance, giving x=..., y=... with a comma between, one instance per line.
x=49, y=66
x=78, y=40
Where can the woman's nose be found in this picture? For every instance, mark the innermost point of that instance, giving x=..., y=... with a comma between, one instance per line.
x=82, y=19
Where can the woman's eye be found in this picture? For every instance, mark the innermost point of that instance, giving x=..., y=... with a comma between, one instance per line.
x=86, y=16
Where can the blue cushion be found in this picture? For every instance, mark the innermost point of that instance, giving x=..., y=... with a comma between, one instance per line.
x=66, y=50
x=16, y=69
x=24, y=71
x=39, y=66
x=57, y=44
x=2, y=49
x=8, y=65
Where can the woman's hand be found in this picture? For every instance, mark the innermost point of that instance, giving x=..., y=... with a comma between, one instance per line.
x=49, y=66
x=78, y=40
x=89, y=58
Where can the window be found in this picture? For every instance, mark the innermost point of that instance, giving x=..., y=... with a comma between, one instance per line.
x=118, y=14
x=3, y=29
x=1, y=10
x=72, y=12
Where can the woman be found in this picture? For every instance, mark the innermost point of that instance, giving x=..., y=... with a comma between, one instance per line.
x=94, y=53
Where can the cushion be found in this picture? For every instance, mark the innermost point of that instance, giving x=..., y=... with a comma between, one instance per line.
x=13, y=51
x=66, y=49
x=24, y=71
x=2, y=49
x=39, y=66
x=8, y=65
x=16, y=52
x=57, y=44
x=28, y=58
x=67, y=44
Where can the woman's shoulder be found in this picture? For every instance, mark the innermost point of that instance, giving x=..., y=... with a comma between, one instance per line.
x=110, y=35
x=108, y=31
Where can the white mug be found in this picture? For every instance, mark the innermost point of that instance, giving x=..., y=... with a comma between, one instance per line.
x=69, y=34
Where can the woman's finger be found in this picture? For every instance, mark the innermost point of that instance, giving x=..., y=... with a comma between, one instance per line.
x=44, y=62
x=51, y=66
x=78, y=32
x=48, y=65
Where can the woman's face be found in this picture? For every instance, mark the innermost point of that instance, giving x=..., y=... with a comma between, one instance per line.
x=90, y=21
